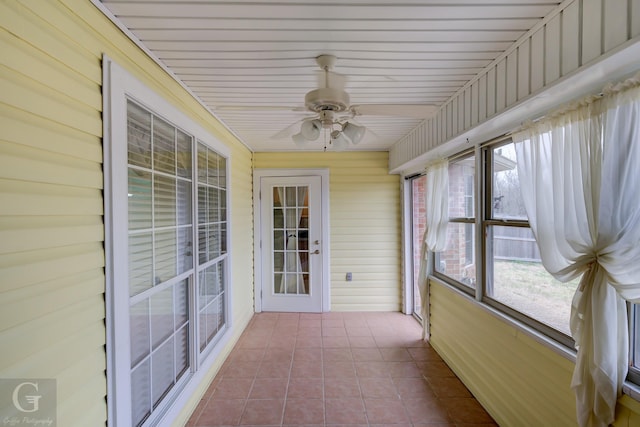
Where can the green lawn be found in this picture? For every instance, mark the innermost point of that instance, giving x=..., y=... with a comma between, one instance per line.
x=527, y=287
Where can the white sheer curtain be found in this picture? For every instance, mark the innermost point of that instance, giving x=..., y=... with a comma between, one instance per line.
x=580, y=178
x=292, y=280
x=435, y=235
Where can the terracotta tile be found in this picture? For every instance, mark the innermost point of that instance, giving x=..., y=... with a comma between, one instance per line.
x=366, y=354
x=362, y=342
x=414, y=388
x=233, y=388
x=395, y=354
x=358, y=332
x=310, y=323
x=332, y=323
x=333, y=332
x=378, y=388
x=336, y=354
x=241, y=370
x=372, y=369
x=435, y=369
x=306, y=369
x=356, y=322
x=304, y=411
x=283, y=355
x=255, y=343
x=381, y=329
x=341, y=388
x=466, y=410
x=424, y=354
x=335, y=342
x=335, y=369
x=310, y=388
x=391, y=341
x=274, y=370
x=332, y=315
x=344, y=411
x=247, y=355
x=283, y=342
x=269, y=388
x=404, y=370
x=385, y=411
x=426, y=411
x=262, y=412
x=308, y=354
x=221, y=412
x=309, y=331
x=309, y=342
x=448, y=387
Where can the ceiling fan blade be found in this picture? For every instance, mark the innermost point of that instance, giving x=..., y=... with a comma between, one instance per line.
x=291, y=129
x=418, y=111
x=260, y=108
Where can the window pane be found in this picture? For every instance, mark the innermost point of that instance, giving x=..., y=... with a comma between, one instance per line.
x=140, y=332
x=138, y=136
x=183, y=156
x=161, y=316
x=141, y=393
x=457, y=260
x=140, y=263
x=461, y=183
x=166, y=254
x=521, y=282
x=507, y=200
x=139, y=199
x=162, y=363
x=164, y=151
x=164, y=189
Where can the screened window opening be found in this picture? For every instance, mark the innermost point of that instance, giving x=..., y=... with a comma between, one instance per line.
x=457, y=261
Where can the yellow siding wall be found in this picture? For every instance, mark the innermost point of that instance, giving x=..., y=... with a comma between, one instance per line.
x=518, y=380
x=51, y=229
x=365, y=225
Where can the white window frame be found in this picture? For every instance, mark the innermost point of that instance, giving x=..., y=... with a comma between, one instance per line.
x=118, y=87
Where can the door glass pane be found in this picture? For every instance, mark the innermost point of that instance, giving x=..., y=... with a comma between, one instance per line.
x=290, y=248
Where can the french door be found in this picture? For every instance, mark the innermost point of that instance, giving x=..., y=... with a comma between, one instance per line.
x=292, y=243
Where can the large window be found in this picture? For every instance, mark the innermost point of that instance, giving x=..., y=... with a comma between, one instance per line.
x=167, y=265
x=512, y=277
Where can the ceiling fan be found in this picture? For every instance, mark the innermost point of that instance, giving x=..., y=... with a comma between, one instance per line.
x=334, y=113
x=331, y=110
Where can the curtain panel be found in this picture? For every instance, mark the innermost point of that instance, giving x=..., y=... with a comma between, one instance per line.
x=435, y=235
x=579, y=171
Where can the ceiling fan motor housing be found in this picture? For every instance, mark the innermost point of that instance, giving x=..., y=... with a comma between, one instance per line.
x=327, y=99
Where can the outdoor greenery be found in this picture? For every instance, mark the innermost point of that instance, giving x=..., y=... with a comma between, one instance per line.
x=527, y=287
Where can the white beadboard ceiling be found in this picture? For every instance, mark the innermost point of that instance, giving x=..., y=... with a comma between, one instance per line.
x=252, y=61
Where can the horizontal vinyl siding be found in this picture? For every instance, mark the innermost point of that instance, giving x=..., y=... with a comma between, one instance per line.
x=52, y=283
x=518, y=380
x=574, y=36
x=365, y=226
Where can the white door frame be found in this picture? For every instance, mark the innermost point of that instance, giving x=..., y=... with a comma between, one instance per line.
x=258, y=174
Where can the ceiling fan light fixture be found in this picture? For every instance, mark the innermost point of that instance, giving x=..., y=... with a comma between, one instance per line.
x=339, y=141
x=310, y=129
x=299, y=139
x=354, y=132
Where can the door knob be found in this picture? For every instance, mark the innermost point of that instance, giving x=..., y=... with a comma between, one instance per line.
x=317, y=251
x=317, y=242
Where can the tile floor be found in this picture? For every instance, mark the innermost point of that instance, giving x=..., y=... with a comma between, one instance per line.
x=336, y=369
